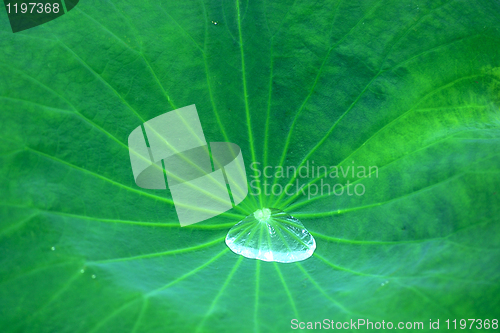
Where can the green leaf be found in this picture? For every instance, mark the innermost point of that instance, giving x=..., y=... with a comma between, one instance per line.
x=410, y=89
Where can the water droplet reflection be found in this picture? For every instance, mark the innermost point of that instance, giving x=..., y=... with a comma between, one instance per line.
x=270, y=234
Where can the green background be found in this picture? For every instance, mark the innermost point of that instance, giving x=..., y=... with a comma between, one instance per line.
x=412, y=87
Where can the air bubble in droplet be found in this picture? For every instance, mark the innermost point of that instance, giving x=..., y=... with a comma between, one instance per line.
x=270, y=234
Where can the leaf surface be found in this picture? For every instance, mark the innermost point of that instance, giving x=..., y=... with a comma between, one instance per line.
x=411, y=89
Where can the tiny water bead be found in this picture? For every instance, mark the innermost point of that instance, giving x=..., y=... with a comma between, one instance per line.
x=270, y=234
x=262, y=215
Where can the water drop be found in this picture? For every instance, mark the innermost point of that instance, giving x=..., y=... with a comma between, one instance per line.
x=82, y=271
x=53, y=248
x=270, y=234
x=93, y=276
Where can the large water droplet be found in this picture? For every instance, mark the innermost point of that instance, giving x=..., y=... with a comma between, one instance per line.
x=270, y=234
